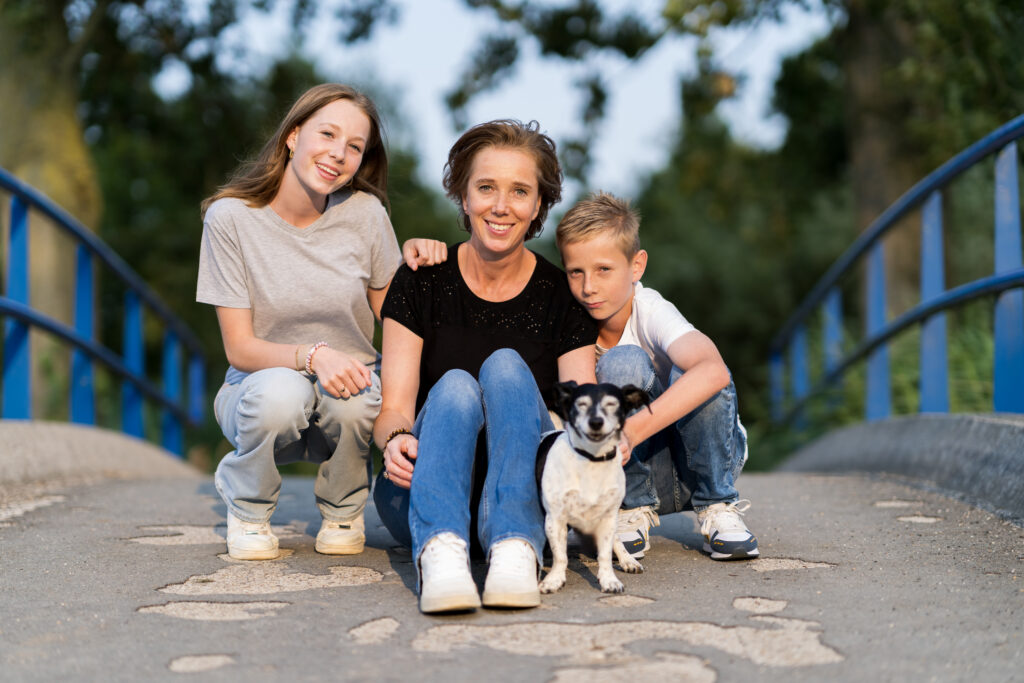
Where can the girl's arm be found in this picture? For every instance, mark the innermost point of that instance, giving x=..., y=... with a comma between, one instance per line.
x=705, y=374
x=337, y=372
x=402, y=351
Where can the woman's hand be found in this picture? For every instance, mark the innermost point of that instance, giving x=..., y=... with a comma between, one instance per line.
x=625, y=449
x=398, y=460
x=339, y=374
x=420, y=251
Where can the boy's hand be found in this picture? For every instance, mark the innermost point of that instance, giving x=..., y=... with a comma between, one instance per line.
x=625, y=449
x=420, y=251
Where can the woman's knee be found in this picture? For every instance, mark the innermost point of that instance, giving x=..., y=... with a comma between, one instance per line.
x=458, y=391
x=275, y=400
x=626, y=364
x=504, y=365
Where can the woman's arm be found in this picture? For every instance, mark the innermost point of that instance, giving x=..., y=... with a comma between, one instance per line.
x=337, y=372
x=578, y=365
x=402, y=352
x=705, y=374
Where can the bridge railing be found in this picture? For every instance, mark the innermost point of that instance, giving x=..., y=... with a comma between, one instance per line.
x=178, y=406
x=791, y=388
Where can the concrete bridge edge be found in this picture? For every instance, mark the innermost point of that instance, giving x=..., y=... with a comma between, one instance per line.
x=977, y=458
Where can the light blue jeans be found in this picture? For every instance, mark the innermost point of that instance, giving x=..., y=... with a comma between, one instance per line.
x=706, y=447
x=276, y=416
x=506, y=404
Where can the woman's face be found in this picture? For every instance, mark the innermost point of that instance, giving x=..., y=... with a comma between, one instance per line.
x=328, y=148
x=501, y=199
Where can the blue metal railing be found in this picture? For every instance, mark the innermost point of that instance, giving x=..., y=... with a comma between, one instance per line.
x=1007, y=284
x=129, y=365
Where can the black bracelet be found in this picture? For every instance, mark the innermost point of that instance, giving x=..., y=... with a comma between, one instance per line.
x=397, y=432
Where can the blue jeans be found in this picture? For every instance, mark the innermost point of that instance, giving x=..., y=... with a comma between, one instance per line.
x=506, y=404
x=707, y=447
x=276, y=416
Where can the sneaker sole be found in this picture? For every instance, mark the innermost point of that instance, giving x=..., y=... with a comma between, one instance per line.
x=735, y=555
x=511, y=599
x=253, y=554
x=340, y=549
x=449, y=603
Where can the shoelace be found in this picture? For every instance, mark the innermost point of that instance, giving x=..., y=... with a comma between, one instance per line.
x=725, y=517
x=637, y=516
x=516, y=556
x=445, y=552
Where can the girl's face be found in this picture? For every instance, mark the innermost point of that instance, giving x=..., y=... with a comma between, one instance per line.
x=501, y=199
x=328, y=147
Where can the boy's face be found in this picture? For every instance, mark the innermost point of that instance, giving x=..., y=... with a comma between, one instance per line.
x=601, y=277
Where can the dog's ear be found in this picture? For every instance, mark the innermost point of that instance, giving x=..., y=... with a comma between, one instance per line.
x=564, y=392
x=635, y=397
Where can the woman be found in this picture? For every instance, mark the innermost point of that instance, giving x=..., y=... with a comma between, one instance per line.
x=297, y=254
x=469, y=347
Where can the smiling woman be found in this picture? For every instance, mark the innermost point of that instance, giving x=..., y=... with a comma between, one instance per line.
x=470, y=346
x=297, y=255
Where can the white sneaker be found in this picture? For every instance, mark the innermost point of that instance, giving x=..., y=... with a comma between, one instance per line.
x=634, y=529
x=250, y=540
x=512, y=575
x=726, y=537
x=446, y=584
x=341, y=538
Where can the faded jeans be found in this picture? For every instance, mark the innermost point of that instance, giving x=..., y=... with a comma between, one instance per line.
x=706, y=448
x=277, y=416
x=506, y=404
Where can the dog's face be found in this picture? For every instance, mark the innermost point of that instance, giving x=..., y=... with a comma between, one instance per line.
x=598, y=411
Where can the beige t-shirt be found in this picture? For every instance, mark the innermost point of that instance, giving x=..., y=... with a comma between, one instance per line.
x=302, y=284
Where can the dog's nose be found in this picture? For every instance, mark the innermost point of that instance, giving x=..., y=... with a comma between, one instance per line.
x=595, y=423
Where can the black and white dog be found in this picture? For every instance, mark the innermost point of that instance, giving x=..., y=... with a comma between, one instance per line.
x=581, y=479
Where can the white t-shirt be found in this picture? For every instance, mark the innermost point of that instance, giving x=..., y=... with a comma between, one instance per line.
x=653, y=325
x=302, y=284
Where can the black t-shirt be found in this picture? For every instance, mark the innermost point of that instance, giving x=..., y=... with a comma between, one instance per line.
x=460, y=330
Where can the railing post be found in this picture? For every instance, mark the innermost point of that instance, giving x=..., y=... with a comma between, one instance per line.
x=877, y=397
x=134, y=360
x=801, y=379
x=934, y=364
x=171, y=429
x=832, y=336
x=17, y=359
x=1008, y=380
x=83, y=401
x=196, y=388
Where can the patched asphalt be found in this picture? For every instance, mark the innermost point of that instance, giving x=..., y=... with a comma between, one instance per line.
x=860, y=579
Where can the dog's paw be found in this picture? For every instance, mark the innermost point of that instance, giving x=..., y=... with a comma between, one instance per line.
x=551, y=583
x=631, y=565
x=612, y=585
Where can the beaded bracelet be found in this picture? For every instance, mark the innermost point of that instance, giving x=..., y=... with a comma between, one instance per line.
x=393, y=434
x=309, y=355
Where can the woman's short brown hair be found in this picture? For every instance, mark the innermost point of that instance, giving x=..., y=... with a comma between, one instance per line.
x=258, y=181
x=505, y=134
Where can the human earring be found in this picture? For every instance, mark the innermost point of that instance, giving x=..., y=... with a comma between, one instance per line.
x=291, y=153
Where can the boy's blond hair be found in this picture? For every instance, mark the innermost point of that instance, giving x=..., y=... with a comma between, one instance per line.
x=601, y=213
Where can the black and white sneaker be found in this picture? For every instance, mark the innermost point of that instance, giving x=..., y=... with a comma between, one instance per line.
x=726, y=537
x=634, y=529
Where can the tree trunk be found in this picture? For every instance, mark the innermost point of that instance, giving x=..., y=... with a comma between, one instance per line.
x=882, y=169
x=42, y=144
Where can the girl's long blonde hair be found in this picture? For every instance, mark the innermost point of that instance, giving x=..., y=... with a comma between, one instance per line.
x=257, y=181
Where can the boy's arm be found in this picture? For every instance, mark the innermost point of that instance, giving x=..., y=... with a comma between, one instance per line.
x=705, y=375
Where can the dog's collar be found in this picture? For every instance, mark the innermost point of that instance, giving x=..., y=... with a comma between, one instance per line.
x=596, y=458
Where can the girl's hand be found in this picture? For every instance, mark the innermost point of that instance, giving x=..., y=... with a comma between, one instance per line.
x=398, y=460
x=339, y=374
x=625, y=449
x=420, y=251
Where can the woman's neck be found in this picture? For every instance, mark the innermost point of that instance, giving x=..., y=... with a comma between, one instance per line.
x=496, y=279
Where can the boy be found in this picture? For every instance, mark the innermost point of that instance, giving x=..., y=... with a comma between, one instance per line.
x=645, y=341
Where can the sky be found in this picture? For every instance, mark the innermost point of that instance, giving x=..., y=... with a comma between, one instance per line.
x=418, y=59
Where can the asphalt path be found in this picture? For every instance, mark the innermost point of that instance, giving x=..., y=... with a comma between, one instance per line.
x=860, y=579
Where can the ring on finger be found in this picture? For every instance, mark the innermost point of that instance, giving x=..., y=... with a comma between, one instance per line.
x=386, y=474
